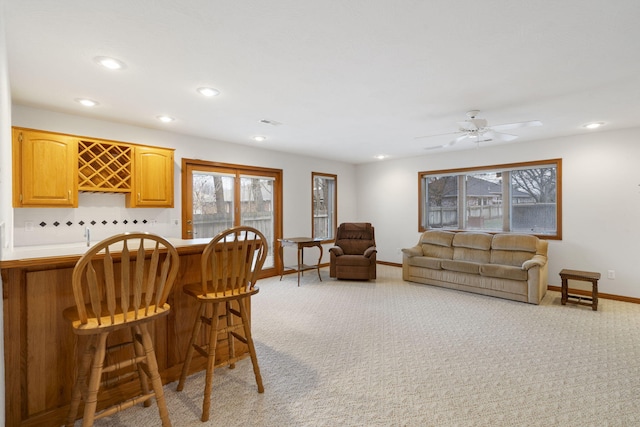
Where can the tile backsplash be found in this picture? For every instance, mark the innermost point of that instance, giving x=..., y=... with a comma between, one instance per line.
x=103, y=213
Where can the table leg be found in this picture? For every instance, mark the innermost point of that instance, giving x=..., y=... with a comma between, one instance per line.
x=319, y=259
x=565, y=291
x=594, y=296
x=300, y=260
x=282, y=259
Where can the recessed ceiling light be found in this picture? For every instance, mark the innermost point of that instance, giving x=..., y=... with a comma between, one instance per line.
x=259, y=138
x=594, y=125
x=208, y=91
x=110, y=63
x=165, y=119
x=86, y=102
x=381, y=156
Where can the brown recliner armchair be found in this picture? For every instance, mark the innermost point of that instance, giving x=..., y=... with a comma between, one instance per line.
x=354, y=254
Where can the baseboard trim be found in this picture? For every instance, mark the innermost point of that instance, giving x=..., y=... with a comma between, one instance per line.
x=392, y=264
x=559, y=289
x=600, y=294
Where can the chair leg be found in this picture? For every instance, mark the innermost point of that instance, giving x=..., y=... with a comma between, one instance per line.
x=80, y=386
x=190, y=348
x=230, y=340
x=252, y=350
x=136, y=337
x=211, y=361
x=154, y=375
x=95, y=378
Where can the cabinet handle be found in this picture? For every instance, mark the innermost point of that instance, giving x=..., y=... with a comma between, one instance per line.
x=68, y=194
x=138, y=196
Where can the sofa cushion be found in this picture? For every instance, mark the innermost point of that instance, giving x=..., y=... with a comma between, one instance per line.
x=472, y=247
x=426, y=262
x=503, y=271
x=437, y=237
x=513, y=249
x=437, y=244
x=461, y=266
x=515, y=242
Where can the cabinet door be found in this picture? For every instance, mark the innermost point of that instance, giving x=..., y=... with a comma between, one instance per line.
x=153, y=178
x=45, y=169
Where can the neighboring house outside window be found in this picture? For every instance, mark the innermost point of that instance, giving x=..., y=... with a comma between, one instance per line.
x=519, y=198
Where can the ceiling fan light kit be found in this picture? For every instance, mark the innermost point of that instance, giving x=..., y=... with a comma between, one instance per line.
x=477, y=130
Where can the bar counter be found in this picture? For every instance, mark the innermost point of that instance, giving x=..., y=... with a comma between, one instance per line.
x=41, y=350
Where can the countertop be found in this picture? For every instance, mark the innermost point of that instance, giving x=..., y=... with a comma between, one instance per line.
x=24, y=256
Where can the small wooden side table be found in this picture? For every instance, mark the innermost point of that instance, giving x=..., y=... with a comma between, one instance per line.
x=301, y=243
x=585, y=276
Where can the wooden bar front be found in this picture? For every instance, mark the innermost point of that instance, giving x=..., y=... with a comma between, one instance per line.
x=41, y=349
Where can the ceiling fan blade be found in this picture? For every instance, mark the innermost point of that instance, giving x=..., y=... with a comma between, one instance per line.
x=448, y=144
x=438, y=134
x=461, y=138
x=518, y=125
x=499, y=136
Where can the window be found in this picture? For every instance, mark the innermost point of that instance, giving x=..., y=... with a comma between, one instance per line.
x=519, y=198
x=324, y=205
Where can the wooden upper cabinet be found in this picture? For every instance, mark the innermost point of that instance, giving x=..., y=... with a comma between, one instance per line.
x=50, y=168
x=45, y=169
x=152, y=178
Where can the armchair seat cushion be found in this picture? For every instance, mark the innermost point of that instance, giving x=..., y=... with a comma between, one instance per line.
x=355, y=260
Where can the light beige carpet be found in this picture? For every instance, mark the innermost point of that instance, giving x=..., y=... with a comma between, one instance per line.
x=394, y=353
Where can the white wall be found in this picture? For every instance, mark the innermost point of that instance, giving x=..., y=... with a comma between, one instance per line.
x=600, y=202
x=296, y=181
x=601, y=192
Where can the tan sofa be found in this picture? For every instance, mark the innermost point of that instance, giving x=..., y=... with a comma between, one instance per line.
x=512, y=266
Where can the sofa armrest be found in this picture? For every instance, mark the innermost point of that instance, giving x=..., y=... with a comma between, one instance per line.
x=413, y=251
x=536, y=261
x=336, y=250
x=370, y=251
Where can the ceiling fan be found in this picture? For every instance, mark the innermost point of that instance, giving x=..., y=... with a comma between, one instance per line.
x=477, y=130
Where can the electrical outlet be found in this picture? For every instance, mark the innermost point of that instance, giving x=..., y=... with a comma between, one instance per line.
x=611, y=274
x=175, y=222
x=153, y=222
x=28, y=226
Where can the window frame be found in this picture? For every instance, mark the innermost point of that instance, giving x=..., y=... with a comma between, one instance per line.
x=235, y=170
x=422, y=191
x=334, y=207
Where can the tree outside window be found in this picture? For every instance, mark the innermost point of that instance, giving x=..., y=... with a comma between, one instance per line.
x=324, y=205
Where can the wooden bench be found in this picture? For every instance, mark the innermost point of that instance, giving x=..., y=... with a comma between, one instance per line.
x=585, y=276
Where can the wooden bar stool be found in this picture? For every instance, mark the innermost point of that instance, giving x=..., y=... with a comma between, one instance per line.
x=230, y=266
x=121, y=283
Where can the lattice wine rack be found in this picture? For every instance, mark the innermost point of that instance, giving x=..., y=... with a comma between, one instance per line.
x=104, y=166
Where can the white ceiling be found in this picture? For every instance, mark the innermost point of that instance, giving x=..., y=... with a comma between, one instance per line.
x=348, y=79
